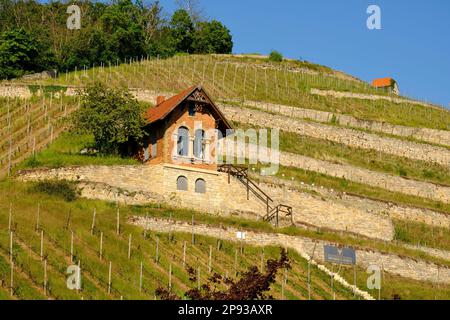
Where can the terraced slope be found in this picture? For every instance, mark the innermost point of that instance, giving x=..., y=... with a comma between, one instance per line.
x=392, y=157
x=247, y=79
x=30, y=125
x=58, y=220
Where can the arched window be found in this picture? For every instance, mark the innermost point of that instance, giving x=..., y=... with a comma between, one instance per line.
x=199, y=144
x=182, y=183
x=200, y=186
x=183, y=141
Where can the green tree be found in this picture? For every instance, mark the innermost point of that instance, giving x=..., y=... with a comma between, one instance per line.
x=20, y=53
x=162, y=44
x=110, y=31
x=113, y=116
x=275, y=56
x=121, y=23
x=182, y=29
x=89, y=47
x=213, y=37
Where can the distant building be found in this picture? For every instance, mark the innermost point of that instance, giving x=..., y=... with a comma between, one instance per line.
x=387, y=84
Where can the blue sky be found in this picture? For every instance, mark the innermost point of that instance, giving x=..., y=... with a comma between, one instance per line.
x=413, y=45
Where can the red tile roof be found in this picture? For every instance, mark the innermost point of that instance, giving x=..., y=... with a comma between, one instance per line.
x=163, y=109
x=382, y=82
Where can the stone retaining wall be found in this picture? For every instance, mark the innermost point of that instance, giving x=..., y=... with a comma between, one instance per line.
x=424, y=134
x=158, y=183
x=354, y=95
x=355, y=174
x=391, y=263
x=368, y=177
x=370, y=206
x=229, y=234
x=350, y=137
x=14, y=91
x=221, y=197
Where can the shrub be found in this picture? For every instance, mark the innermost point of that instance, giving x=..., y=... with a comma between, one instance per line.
x=402, y=172
x=60, y=188
x=428, y=173
x=333, y=120
x=32, y=163
x=275, y=56
x=112, y=116
x=252, y=285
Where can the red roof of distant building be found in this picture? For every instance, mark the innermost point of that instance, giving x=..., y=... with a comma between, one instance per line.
x=383, y=82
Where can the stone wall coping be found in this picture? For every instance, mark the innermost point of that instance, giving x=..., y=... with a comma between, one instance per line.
x=178, y=167
x=420, y=270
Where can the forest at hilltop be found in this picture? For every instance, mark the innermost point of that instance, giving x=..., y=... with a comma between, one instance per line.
x=34, y=35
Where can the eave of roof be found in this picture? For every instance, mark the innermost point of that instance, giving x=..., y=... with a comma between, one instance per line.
x=163, y=109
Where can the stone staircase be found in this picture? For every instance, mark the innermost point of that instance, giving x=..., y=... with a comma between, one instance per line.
x=273, y=212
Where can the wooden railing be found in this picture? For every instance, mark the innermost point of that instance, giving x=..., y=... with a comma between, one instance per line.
x=276, y=211
x=272, y=211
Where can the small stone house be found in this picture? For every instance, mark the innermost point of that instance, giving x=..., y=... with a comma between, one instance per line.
x=184, y=130
x=179, y=153
x=180, y=161
x=388, y=84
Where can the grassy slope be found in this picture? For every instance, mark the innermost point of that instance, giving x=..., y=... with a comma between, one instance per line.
x=225, y=86
x=416, y=233
x=65, y=151
x=395, y=287
x=364, y=158
x=28, y=124
x=255, y=79
x=363, y=190
x=54, y=213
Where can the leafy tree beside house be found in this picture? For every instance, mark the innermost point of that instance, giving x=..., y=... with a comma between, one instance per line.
x=113, y=117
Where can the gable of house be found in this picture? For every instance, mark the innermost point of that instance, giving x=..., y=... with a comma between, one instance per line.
x=182, y=130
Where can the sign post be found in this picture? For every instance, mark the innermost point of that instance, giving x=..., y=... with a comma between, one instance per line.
x=341, y=256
